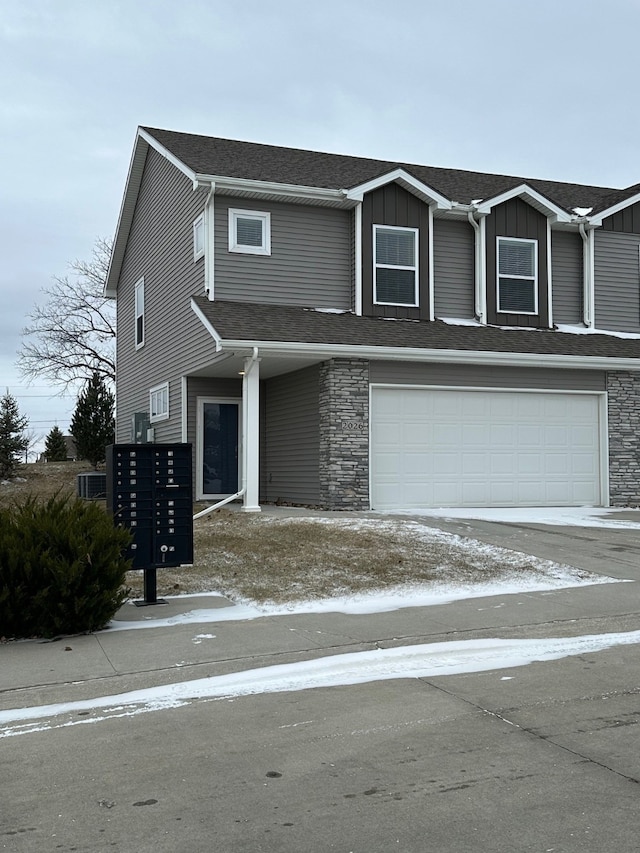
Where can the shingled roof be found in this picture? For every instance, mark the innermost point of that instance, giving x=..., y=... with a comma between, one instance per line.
x=243, y=321
x=206, y=155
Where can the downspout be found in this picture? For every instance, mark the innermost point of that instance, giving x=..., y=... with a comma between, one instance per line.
x=588, y=308
x=224, y=501
x=208, y=255
x=478, y=276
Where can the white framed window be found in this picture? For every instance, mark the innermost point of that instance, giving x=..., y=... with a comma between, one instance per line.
x=198, y=238
x=139, y=310
x=249, y=232
x=159, y=402
x=395, y=265
x=517, y=261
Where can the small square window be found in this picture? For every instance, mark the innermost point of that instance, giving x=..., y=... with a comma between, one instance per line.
x=139, y=309
x=395, y=265
x=198, y=237
x=159, y=402
x=517, y=276
x=249, y=232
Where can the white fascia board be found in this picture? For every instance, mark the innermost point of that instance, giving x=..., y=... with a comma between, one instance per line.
x=166, y=153
x=125, y=217
x=207, y=324
x=293, y=191
x=627, y=202
x=444, y=356
x=404, y=178
x=525, y=190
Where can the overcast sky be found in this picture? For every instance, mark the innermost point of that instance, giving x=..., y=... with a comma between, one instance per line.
x=542, y=89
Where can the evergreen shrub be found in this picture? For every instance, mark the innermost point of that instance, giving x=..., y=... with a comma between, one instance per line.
x=62, y=569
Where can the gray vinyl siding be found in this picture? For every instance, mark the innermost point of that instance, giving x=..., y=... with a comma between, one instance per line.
x=160, y=249
x=567, y=277
x=310, y=262
x=453, y=269
x=617, y=281
x=292, y=442
x=481, y=376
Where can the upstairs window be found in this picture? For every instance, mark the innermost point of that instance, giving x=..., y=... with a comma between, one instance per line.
x=249, y=232
x=198, y=237
x=517, y=276
x=139, y=332
x=159, y=402
x=395, y=265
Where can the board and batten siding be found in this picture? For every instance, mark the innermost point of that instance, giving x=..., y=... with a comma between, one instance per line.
x=160, y=249
x=291, y=461
x=617, y=281
x=310, y=263
x=567, y=272
x=453, y=269
x=486, y=376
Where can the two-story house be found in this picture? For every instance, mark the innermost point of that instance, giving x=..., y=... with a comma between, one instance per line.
x=351, y=333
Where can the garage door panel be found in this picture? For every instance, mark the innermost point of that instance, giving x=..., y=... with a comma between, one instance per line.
x=483, y=448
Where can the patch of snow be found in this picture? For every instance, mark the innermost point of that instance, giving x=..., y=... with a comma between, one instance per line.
x=329, y=310
x=554, y=516
x=427, y=660
x=583, y=330
x=582, y=211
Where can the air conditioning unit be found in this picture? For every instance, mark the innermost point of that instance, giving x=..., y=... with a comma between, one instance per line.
x=140, y=426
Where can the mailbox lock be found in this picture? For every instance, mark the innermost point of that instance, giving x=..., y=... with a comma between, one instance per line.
x=164, y=548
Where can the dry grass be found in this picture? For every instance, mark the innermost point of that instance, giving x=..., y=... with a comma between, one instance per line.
x=263, y=558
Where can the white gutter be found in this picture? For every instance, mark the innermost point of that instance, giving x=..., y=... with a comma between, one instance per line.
x=274, y=188
x=588, y=308
x=441, y=356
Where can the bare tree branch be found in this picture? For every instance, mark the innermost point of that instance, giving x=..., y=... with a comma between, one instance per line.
x=72, y=333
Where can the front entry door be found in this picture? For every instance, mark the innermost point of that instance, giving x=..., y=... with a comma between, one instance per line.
x=219, y=439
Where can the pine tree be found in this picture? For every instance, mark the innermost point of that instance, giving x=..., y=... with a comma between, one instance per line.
x=55, y=447
x=92, y=424
x=13, y=439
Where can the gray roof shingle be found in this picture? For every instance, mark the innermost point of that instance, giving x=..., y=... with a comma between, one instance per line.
x=246, y=321
x=233, y=159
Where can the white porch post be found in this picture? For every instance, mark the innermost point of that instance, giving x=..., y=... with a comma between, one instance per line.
x=251, y=434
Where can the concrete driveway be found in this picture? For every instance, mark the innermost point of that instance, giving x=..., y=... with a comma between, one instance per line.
x=537, y=757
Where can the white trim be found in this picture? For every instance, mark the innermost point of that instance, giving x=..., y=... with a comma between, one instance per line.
x=200, y=401
x=358, y=259
x=486, y=205
x=210, y=243
x=251, y=433
x=533, y=279
x=206, y=323
x=198, y=231
x=482, y=281
x=264, y=217
x=139, y=314
x=549, y=277
x=159, y=147
x=161, y=393
x=603, y=420
x=431, y=282
x=184, y=403
x=400, y=176
x=415, y=268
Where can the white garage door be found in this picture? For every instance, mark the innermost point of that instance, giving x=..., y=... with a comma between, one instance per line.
x=437, y=448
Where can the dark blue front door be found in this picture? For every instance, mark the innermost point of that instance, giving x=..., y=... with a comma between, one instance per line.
x=220, y=449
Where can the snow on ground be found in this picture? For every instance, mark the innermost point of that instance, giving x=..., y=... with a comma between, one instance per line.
x=418, y=661
x=556, y=516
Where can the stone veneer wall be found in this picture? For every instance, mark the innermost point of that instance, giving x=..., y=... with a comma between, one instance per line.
x=344, y=434
x=623, y=391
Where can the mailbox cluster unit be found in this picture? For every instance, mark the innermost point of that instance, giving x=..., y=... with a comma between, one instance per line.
x=149, y=491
